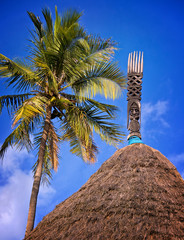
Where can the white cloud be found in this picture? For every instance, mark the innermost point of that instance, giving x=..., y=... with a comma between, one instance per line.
x=155, y=112
x=13, y=159
x=45, y=195
x=14, y=198
x=153, y=122
x=15, y=195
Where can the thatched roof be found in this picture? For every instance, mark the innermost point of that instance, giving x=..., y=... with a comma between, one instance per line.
x=136, y=194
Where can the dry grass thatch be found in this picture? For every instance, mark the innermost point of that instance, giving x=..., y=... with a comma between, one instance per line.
x=136, y=194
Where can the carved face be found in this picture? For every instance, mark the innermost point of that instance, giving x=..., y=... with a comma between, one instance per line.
x=134, y=112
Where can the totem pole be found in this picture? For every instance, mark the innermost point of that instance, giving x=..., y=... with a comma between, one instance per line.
x=135, y=74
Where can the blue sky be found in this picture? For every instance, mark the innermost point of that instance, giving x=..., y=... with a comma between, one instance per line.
x=154, y=27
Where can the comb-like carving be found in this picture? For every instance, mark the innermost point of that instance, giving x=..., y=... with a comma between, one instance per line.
x=135, y=62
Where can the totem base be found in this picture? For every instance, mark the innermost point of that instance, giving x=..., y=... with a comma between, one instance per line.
x=134, y=139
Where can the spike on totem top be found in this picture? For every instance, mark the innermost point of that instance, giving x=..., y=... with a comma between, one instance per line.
x=135, y=75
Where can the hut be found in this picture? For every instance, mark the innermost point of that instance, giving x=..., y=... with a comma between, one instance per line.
x=136, y=194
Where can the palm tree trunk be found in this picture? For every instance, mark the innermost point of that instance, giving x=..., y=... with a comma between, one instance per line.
x=38, y=174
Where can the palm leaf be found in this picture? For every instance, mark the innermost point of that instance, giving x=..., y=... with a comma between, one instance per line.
x=12, y=102
x=69, y=18
x=100, y=50
x=102, y=78
x=78, y=145
x=37, y=23
x=57, y=24
x=48, y=18
x=46, y=168
x=20, y=138
x=78, y=132
x=98, y=116
x=30, y=109
x=90, y=103
x=17, y=73
x=51, y=153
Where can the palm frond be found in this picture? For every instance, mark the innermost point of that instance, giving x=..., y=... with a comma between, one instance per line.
x=78, y=145
x=109, y=132
x=75, y=116
x=57, y=24
x=86, y=52
x=20, y=138
x=30, y=109
x=70, y=17
x=65, y=52
x=99, y=116
x=103, y=78
x=77, y=131
x=101, y=50
x=90, y=103
x=48, y=18
x=52, y=150
x=74, y=55
x=37, y=23
x=46, y=168
x=17, y=73
x=45, y=73
x=12, y=102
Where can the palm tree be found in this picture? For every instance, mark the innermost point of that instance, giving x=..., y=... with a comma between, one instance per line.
x=66, y=68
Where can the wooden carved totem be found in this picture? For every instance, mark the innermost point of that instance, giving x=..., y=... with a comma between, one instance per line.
x=135, y=75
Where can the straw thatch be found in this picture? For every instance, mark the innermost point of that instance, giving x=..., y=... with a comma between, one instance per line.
x=136, y=194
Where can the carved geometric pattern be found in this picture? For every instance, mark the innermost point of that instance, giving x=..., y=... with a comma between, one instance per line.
x=134, y=86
